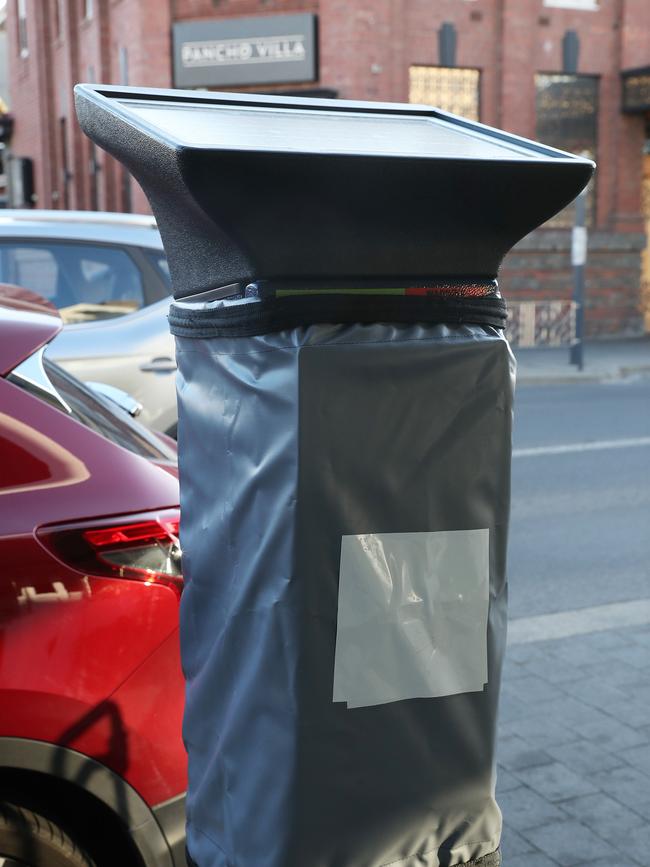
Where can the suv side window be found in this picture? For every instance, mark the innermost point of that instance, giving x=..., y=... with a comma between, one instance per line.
x=84, y=281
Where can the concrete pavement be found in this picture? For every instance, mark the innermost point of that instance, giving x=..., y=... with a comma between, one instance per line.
x=574, y=750
x=574, y=726
x=603, y=360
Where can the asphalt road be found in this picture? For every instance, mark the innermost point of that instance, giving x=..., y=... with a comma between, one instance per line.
x=580, y=526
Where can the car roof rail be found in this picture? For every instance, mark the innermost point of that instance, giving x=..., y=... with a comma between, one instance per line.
x=36, y=215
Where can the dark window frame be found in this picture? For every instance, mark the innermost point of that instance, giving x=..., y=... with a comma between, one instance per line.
x=564, y=220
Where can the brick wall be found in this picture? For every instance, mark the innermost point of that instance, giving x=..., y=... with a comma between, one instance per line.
x=365, y=50
x=539, y=268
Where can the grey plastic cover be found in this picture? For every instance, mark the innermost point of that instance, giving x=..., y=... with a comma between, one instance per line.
x=345, y=499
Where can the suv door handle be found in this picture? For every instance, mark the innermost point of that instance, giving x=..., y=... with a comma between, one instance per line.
x=162, y=364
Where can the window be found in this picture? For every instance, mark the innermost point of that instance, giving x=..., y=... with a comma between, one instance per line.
x=88, y=8
x=82, y=280
x=92, y=411
x=159, y=260
x=47, y=381
x=452, y=89
x=23, y=48
x=567, y=118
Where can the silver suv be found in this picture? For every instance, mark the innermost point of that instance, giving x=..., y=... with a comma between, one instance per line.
x=107, y=275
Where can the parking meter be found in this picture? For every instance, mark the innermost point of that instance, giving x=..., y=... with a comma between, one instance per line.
x=345, y=405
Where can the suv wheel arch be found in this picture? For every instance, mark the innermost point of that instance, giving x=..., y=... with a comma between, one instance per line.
x=31, y=759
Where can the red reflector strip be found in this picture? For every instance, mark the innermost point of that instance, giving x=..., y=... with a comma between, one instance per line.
x=145, y=531
x=458, y=290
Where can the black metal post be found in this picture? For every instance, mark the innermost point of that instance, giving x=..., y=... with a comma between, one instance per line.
x=578, y=260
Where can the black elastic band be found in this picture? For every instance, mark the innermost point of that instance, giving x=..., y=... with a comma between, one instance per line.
x=271, y=315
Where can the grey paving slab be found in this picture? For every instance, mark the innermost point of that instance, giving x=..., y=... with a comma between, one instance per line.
x=619, y=862
x=630, y=712
x=541, y=731
x=515, y=753
x=627, y=785
x=635, y=654
x=605, y=816
x=596, y=693
x=611, y=734
x=532, y=690
x=553, y=669
x=512, y=708
x=505, y=781
x=521, y=653
x=644, y=731
x=523, y=808
x=616, y=673
x=638, y=757
x=641, y=692
x=608, y=639
x=569, y=843
x=636, y=844
x=639, y=636
x=513, y=844
x=575, y=651
x=556, y=782
x=531, y=859
x=585, y=757
x=570, y=711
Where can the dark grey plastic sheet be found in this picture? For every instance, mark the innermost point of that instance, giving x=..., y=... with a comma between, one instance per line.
x=288, y=443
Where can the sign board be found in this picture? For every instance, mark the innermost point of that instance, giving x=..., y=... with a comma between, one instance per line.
x=636, y=90
x=579, y=245
x=270, y=49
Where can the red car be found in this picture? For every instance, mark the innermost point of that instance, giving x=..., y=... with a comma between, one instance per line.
x=92, y=764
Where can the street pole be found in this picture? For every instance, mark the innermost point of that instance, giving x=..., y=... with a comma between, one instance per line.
x=578, y=260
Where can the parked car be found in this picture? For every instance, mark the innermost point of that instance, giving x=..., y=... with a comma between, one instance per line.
x=107, y=275
x=92, y=764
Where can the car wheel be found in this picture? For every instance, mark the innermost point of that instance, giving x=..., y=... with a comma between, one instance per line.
x=28, y=839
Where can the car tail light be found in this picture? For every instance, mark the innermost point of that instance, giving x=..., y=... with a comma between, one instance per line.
x=141, y=547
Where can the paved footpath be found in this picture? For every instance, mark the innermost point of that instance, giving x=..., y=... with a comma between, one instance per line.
x=574, y=745
x=603, y=360
x=574, y=733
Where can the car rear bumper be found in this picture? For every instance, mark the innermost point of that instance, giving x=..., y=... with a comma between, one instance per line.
x=170, y=815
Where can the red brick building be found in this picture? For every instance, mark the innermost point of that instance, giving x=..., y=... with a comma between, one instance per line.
x=562, y=71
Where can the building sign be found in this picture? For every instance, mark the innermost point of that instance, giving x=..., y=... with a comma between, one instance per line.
x=274, y=49
x=636, y=90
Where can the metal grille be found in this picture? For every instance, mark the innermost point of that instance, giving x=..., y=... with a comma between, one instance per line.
x=452, y=89
x=541, y=323
x=567, y=118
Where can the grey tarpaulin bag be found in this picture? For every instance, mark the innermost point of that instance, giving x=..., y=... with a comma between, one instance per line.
x=345, y=402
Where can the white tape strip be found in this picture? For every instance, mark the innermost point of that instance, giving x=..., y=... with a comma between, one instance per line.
x=412, y=616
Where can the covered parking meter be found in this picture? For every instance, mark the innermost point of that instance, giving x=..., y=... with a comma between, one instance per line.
x=345, y=404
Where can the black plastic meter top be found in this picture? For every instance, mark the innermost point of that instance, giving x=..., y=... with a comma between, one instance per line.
x=247, y=187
